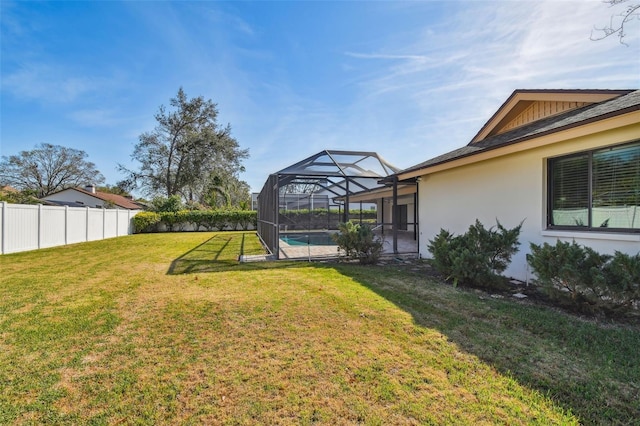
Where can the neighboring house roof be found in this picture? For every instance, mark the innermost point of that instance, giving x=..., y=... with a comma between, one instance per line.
x=61, y=203
x=118, y=200
x=624, y=102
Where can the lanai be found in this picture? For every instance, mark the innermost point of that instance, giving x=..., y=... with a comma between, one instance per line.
x=343, y=176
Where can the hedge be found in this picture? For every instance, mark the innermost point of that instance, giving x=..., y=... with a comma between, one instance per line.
x=323, y=212
x=196, y=220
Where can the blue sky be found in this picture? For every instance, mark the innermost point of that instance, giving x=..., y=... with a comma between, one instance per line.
x=410, y=80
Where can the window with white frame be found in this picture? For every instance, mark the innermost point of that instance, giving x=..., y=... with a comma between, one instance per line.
x=596, y=190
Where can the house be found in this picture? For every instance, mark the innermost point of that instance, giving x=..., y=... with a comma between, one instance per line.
x=566, y=162
x=89, y=197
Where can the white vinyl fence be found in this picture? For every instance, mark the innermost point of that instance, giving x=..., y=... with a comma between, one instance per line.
x=31, y=227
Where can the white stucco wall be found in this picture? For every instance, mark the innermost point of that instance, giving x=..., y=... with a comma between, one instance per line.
x=512, y=188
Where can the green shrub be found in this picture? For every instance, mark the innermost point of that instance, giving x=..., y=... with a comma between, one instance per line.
x=198, y=218
x=217, y=220
x=246, y=218
x=441, y=248
x=164, y=204
x=170, y=220
x=145, y=222
x=359, y=241
x=368, y=214
x=210, y=220
x=622, y=274
x=347, y=238
x=588, y=281
x=477, y=257
x=235, y=219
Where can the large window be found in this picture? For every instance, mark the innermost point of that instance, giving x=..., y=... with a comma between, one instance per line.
x=596, y=190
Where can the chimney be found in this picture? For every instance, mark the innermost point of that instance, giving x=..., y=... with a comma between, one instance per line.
x=90, y=188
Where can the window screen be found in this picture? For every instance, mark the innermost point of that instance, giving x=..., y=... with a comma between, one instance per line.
x=616, y=187
x=570, y=191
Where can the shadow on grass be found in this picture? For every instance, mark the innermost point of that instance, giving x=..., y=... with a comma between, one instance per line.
x=589, y=369
x=566, y=358
x=221, y=253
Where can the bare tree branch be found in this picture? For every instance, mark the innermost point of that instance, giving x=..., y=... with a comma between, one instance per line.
x=618, y=22
x=48, y=169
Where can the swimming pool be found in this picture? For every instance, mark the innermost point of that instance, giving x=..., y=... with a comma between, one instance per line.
x=311, y=238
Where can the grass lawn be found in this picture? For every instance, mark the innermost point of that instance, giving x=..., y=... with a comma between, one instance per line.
x=169, y=328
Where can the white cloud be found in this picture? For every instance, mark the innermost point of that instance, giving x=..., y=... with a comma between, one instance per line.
x=415, y=100
x=488, y=50
x=46, y=83
x=98, y=117
x=418, y=58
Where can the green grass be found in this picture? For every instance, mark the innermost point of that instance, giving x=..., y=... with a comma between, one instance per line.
x=170, y=328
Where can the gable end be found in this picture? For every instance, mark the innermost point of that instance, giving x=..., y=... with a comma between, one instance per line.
x=536, y=111
x=526, y=106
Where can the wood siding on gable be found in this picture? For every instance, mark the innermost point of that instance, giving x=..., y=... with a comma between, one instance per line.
x=539, y=110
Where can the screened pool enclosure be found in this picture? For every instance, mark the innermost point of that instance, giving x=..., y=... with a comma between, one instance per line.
x=300, y=203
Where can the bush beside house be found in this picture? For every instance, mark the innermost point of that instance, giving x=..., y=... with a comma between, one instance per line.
x=583, y=279
x=477, y=257
x=570, y=275
x=359, y=242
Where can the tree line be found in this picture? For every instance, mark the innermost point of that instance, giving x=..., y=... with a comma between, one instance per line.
x=188, y=157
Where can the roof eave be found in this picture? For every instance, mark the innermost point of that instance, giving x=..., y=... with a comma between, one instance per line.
x=415, y=172
x=519, y=95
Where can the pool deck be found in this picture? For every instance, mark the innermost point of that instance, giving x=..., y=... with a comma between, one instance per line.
x=406, y=246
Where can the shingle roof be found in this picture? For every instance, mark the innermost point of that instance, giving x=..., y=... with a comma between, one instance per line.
x=575, y=95
x=118, y=200
x=590, y=113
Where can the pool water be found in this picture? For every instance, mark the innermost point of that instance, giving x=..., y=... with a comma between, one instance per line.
x=314, y=239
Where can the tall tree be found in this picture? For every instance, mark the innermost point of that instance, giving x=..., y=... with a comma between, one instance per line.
x=114, y=189
x=47, y=169
x=226, y=192
x=186, y=150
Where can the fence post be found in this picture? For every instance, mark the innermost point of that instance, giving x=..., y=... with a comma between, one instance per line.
x=104, y=221
x=117, y=222
x=39, y=226
x=4, y=227
x=66, y=225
